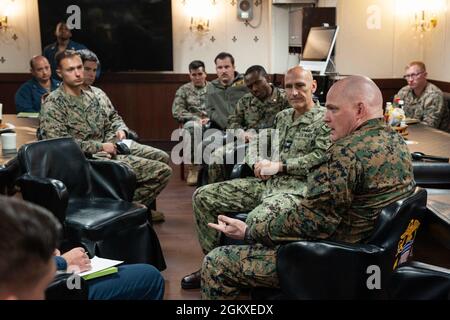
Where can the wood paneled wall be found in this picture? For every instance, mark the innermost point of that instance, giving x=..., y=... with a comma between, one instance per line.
x=145, y=99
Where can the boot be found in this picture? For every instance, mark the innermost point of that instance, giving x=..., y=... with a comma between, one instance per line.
x=192, y=175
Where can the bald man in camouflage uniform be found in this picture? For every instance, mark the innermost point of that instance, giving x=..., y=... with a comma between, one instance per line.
x=189, y=109
x=278, y=183
x=255, y=110
x=71, y=111
x=423, y=100
x=368, y=167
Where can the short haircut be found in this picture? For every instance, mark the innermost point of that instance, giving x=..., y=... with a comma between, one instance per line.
x=28, y=237
x=65, y=54
x=224, y=55
x=256, y=68
x=420, y=64
x=196, y=64
x=88, y=55
x=34, y=58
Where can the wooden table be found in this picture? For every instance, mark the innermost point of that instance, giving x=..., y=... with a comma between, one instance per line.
x=422, y=138
x=25, y=129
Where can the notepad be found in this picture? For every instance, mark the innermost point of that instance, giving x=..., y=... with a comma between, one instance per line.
x=100, y=267
x=28, y=115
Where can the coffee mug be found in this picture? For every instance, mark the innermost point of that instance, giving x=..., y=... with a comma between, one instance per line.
x=8, y=141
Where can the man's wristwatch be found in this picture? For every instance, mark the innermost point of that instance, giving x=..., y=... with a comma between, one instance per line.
x=248, y=237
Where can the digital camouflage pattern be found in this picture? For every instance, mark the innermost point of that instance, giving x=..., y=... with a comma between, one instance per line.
x=188, y=108
x=309, y=139
x=221, y=100
x=250, y=113
x=111, y=112
x=365, y=171
x=91, y=124
x=189, y=103
x=429, y=108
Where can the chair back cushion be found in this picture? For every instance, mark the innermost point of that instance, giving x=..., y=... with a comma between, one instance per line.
x=398, y=224
x=60, y=159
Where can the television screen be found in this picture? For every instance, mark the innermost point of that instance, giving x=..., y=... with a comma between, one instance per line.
x=319, y=43
x=126, y=35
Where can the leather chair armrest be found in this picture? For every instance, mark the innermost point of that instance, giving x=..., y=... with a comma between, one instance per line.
x=420, y=281
x=66, y=286
x=432, y=174
x=327, y=270
x=49, y=193
x=112, y=179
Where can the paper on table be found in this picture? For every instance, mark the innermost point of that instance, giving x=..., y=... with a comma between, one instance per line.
x=99, y=264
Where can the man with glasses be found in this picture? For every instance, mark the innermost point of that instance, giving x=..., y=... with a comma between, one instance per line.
x=423, y=100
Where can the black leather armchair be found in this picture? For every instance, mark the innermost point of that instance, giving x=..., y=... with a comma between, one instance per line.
x=92, y=200
x=331, y=270
x=420, y=281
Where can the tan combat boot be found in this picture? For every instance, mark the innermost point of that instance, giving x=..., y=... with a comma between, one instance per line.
x=192, y=175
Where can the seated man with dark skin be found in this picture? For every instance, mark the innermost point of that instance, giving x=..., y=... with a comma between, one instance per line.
x=280, y=180
x=368, y=167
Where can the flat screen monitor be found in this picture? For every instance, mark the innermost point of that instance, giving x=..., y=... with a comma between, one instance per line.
x=318, y=48
x=126, y=35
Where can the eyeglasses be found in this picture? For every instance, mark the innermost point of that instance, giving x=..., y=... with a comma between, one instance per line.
x=412, y=75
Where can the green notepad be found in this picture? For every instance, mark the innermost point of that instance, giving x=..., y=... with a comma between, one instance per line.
x=100, y=273
x=28, y=115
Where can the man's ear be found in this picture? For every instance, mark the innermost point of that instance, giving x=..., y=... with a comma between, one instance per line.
x=361, y=110
x=313, y=86
x=58, y=72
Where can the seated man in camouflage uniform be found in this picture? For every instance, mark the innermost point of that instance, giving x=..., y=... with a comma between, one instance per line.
x=279, y=183
x=71, y=111
x=91, y=65
x=188, y=108
x=255, y=110
x=423, y=100
x=344, y=199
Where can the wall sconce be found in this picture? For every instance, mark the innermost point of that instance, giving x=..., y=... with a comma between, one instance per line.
x=200, y=13
x=425, y=21
x=3, y=23
x=199, y=24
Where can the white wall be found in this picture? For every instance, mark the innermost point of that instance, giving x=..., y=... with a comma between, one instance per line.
x=24, y=24
x=224, y=26
x=437, y=48
x=379, y=53
x=383, y=53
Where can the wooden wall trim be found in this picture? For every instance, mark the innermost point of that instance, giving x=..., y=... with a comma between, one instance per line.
x=144, y=99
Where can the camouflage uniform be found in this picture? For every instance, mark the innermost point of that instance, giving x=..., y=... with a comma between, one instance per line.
x=250, y=113
x=91, y=124
x=365, y=171
x=309, y=139
x=188, y=108
x=430, y=107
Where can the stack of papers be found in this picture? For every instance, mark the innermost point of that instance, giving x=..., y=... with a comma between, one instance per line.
x=100, y=267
